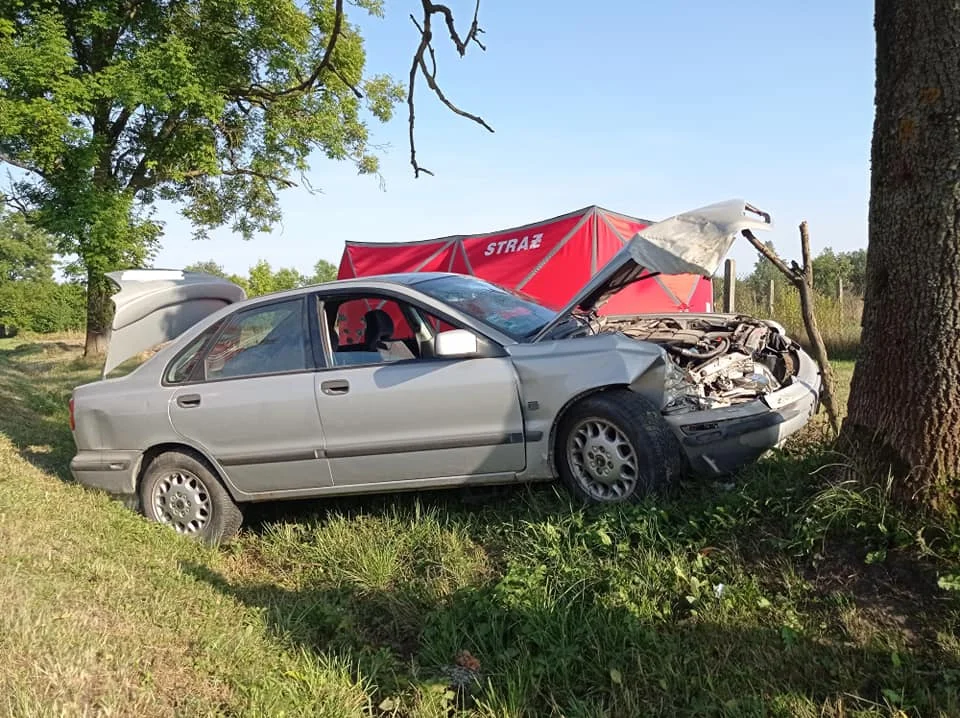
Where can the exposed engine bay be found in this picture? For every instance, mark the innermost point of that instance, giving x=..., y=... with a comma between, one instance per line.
x=721, y=360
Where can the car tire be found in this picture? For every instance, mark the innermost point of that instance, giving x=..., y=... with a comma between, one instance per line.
x=182, y=492
x=615, y=446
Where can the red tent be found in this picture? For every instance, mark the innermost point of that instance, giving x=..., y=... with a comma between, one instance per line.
x=549, y=260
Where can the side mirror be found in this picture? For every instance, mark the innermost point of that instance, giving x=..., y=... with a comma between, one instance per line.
x=456, y=343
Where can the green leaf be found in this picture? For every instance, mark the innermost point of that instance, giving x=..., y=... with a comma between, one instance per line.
x=788, y=635
x=893, y=697
x=949, y=582
x=616, y=677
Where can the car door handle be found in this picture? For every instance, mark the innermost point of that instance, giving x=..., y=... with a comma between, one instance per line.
x=188, y=401
x=335, y=387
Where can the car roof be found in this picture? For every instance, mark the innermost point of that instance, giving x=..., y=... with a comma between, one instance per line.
x=405, y=278
x=373, y=281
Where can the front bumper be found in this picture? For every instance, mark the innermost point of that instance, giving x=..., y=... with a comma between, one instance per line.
x=719, y=441
x=112, y=471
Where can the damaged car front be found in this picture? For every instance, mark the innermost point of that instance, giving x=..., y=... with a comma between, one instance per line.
x=735, y=386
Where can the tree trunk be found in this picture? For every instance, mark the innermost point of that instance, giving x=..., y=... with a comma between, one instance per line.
x=904, y=410
x=99, y=314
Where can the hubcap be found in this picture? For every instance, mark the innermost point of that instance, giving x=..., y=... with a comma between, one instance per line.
x=181, y=500
x=602, y=459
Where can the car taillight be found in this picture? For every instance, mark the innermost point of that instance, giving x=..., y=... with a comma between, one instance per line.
x=73, y=420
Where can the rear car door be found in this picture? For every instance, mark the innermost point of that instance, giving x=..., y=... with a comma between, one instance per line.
x=389, y=419
x=250, y=403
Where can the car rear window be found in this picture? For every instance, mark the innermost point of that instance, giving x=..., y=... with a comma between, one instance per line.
x=180, y=369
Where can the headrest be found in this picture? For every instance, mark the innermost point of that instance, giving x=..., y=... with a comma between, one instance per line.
x=378, y=325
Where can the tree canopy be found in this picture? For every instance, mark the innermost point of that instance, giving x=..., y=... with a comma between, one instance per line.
x=29, y=297
x=26, y=253
x=263, y=279
x=107, y=106
x=828, y=268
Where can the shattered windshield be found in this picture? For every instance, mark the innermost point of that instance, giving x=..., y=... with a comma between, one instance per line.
x=508, y=311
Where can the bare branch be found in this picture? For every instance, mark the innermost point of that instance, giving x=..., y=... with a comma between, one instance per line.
x=119, y=124
x=4, y=157
x=419, y=62
x=794, y=276
x=807, y=268
x=282, y=181
x=802, y=279
x=417, y=169
x=345, y=81
x=18, y=204
x=432, y=84
x=430, y=8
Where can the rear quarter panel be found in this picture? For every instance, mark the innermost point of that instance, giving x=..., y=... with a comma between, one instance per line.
x=129, y=413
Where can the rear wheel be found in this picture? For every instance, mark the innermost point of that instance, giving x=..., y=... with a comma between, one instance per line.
x=615, y=446
x=182, y=492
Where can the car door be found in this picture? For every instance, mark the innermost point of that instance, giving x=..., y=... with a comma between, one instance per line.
x=421, y=419
x=250, y=403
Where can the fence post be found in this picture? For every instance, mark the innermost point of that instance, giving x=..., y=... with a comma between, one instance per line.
x=729, y=286
x=770, y=300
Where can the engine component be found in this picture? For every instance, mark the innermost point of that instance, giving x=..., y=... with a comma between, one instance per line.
x=720, y=360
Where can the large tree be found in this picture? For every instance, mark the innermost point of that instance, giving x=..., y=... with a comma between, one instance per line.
x=109, y=105
x=904, y=410
x=26, y=253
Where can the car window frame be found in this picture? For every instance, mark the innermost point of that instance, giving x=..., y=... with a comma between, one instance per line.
x=488, y=347
x=310, y=353
x=216, y=327
x=380, y=301
x=519, y=339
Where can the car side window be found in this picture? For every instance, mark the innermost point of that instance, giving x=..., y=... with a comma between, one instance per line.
x=377, y=330
x=182, y=367
x=270, y=339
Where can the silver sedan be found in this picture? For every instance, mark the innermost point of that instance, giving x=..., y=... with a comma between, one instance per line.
x=428, y=380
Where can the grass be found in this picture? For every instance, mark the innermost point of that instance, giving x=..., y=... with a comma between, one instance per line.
x=839, y=323
x=779, y=594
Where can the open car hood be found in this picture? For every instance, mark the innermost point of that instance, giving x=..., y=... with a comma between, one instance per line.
x=154, y=306
x=694, y=242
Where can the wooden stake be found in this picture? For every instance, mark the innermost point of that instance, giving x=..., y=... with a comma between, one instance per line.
x=729, y=286
x=802, y=279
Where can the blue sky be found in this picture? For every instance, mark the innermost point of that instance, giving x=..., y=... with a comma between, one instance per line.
x=647, y=108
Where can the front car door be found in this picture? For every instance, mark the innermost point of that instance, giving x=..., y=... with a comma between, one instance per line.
x=397, y=415
x=249, y=402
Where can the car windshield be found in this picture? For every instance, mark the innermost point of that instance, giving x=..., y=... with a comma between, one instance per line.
x=508, y=311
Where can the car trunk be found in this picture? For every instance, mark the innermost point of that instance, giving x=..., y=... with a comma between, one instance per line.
x=154, y=306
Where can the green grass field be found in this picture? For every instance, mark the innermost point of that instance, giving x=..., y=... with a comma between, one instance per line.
x=778, y=594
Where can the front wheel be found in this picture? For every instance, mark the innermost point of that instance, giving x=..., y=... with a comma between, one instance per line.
x=615, y=446
x=182, y=492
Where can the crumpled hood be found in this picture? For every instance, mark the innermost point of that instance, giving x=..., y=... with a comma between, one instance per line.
x=154, y=306
x=693, y=242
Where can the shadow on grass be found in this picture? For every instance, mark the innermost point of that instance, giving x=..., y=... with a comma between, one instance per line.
x=568, y=654
x=36, y=380
x=261, y=517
